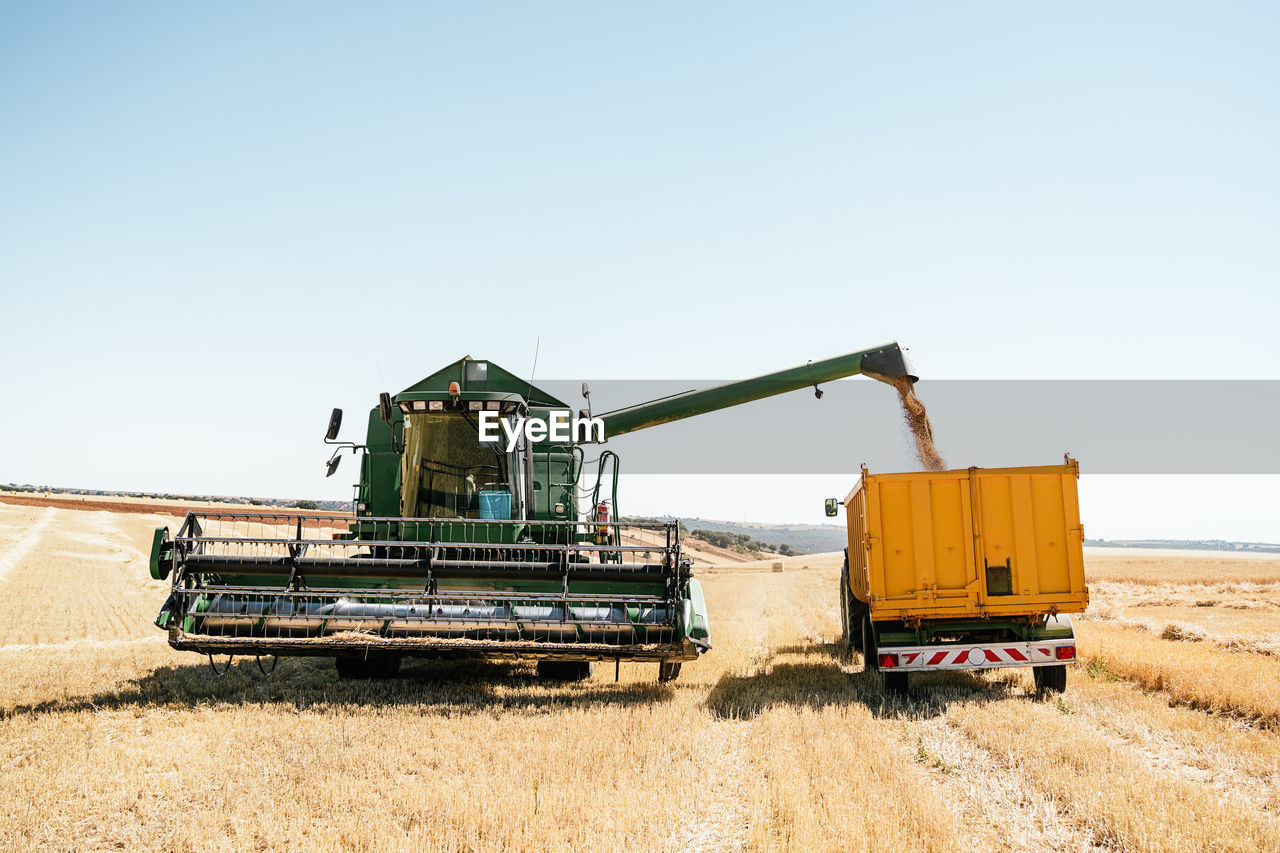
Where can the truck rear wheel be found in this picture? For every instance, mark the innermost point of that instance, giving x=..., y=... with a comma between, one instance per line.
x=857, y=612
x=564, y=670
x=869, y=662
x=892, y=683
x=1050, y=679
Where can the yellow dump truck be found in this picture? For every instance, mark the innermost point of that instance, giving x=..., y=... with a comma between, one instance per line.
x=965, y=569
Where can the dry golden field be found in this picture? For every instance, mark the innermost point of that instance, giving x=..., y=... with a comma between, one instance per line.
x=1168, y=737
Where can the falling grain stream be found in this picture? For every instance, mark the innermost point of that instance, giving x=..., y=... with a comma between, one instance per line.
x=918, y=420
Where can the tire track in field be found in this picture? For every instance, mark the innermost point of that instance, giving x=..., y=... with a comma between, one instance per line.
x=119, y=541
x=1166, y=748
x=723, y=824
x=723, y=820
x=19, y=550
x=1082, y=768
x=83, y=642
x=88, y=582
x=986, y=790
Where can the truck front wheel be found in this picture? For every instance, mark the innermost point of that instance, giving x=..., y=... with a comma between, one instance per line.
x=847, y=629
x=893, y=683
x=1050, y=679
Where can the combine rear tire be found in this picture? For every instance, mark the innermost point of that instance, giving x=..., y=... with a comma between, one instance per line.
x=564, y=670
x=668, y=671
x=361, y=668
x=1050, y=679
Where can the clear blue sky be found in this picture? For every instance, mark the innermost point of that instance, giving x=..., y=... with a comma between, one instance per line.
x=219, y=220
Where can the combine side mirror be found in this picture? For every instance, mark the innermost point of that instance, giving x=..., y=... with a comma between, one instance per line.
x=333, y=465
x=586, y=392
x=384, y=407
x=832, y=507
x=335, y=424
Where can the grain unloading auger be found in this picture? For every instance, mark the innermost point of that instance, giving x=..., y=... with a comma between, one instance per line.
x=464, y=548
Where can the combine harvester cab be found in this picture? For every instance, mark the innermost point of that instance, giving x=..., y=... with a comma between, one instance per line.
x=462, y=547
x=964, y=569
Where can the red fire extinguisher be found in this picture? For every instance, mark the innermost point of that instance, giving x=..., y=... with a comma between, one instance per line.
x=602, y=518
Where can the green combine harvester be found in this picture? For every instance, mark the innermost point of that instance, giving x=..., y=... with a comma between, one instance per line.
x=458, y=547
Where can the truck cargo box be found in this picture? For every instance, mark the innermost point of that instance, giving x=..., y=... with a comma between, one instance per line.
x=974, y=543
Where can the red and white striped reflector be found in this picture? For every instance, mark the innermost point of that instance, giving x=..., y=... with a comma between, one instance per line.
x=977, y=657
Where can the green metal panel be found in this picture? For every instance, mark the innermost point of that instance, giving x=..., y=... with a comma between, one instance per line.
x=886, y=363
x=1025, y=630
x=496, y=380
x=602, y=582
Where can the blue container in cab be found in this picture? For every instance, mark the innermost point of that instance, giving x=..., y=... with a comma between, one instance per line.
x=495, y=504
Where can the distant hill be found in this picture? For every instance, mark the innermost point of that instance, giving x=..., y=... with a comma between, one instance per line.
x=1188, y=545
x=301, y=503
x=803, y=538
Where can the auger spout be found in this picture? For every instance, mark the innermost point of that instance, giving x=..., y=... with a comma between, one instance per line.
x=887, y=363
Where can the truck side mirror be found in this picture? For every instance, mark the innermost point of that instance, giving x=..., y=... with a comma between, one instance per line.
x=832, y=507
x=384, y=407
x=335, y=424
x=333, y=464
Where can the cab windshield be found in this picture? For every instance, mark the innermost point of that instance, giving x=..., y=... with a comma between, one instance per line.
x=445, y=468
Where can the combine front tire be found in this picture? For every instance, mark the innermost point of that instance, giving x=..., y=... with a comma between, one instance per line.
x=564, y=670
x=1050, y=679
x=362, y=668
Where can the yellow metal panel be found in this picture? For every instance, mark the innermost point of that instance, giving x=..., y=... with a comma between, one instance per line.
x=1053, y=571
x=874, y=545
x=953, y=541
x=920, y=543
x=856, y=516
x=861, y=549
x=898, y=524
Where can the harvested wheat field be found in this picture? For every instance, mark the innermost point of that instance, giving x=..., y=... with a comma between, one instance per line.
x=1168, y=737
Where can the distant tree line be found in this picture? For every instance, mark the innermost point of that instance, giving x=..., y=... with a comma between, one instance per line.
x=168, y=496
x=741, y=542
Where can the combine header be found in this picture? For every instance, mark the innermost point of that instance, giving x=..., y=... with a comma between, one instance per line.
x=497, y=550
